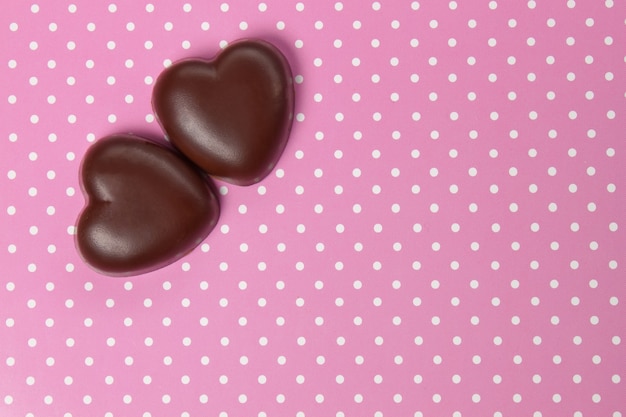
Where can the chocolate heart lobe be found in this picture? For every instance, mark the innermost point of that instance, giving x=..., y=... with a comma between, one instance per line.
x=230, y=115
x=146, y=206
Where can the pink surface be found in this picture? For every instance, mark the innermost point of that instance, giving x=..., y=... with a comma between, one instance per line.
x=443, y=236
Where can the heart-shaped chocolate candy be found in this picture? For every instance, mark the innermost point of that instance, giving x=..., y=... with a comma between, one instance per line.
x=231, y=115
x=146, y=206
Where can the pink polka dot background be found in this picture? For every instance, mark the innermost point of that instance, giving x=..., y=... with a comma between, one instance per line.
x=443, y=236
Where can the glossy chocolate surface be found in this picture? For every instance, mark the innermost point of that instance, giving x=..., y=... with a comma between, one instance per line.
x=146, y=206
x=230, y=115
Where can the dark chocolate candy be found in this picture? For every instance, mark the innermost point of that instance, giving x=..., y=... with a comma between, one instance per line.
x=230, y=115
x=146, y=206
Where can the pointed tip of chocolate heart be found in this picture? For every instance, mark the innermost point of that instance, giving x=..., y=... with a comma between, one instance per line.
x=146, y=206
x=231, y=115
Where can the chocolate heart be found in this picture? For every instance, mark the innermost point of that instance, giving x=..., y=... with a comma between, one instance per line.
x=231, y=115
x=146, y=206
